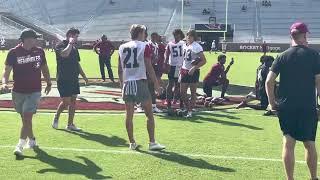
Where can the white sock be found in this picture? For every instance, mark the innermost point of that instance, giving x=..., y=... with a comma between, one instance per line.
x=22, y=142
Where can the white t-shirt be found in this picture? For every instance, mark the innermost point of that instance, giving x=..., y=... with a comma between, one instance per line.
x=191, y=52
x=176, y=53
x=2, y=42
x=213, y=45
x=132, y=55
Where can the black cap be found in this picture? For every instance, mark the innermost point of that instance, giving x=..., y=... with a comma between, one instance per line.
x=29, y=33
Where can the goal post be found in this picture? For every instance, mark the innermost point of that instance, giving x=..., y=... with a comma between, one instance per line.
x=183, y=23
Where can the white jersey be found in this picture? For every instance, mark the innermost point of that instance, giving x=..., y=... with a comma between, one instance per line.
x=176, y=53
x=132, y=60
x=191, y=52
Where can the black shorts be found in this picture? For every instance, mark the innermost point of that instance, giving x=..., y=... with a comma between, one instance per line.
x=68, y=88
x=263, y=97
x=173, y=73
x=186, y=78
x=300, y=124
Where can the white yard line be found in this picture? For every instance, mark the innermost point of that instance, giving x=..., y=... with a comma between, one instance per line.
x=235, y=158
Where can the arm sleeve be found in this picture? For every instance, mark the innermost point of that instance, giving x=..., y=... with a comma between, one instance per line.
x=147, y=52
x=198, y=49
x=60, y=47
x=11, y=58
x=316, y=67
x=276, y=65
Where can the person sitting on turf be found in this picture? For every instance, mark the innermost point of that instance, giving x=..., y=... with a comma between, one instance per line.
x=217, y=76
x=261, y=95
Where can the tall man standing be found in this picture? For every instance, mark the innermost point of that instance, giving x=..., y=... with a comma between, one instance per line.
x=134, y=66
x=105, y=49
x=299, y=69
x=68, y=70
x=27, y=62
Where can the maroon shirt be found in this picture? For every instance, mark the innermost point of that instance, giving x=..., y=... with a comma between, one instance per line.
x=264, y=47
x=105, y=48
x=216, y=71
x=26, y=66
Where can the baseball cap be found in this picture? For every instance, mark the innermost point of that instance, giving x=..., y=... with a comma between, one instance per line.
x=29, y=33
x=299, y=26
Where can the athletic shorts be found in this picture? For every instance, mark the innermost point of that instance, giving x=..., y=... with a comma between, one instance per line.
x=263, y=97
x=26, y=103
x=174, y=73
x=68, y=88
x=300, y=124
x=186, y=78
x=136, y=91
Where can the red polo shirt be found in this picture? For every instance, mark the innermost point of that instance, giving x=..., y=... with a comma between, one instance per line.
x=215, y=73
x=26, y=66
x=105, y=48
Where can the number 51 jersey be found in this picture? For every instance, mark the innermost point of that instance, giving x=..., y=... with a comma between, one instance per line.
x=176, y=53
x=131, y=56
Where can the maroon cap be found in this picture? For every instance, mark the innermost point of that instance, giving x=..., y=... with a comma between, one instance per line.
x=300, y=26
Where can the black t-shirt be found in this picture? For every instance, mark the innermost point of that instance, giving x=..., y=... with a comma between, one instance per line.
x=67, y=68
x=297, y=67
x=262, y=73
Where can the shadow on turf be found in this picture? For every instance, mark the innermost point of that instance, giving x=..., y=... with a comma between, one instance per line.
x=102, y=139
x=186, y=161
x=66, y=166
x=233, y=89
x=199, y=119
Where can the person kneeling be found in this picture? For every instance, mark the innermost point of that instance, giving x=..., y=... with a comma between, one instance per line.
x=217, y=76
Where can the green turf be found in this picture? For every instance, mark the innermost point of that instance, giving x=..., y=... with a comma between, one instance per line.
x=197, y=148
x=241, y=73
x=242, y=133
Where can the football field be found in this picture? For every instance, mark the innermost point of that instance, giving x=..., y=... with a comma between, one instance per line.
x=224, y=143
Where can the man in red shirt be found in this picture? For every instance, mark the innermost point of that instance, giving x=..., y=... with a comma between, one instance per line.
x=105, y=49
x=27, y=62
x=217, y=76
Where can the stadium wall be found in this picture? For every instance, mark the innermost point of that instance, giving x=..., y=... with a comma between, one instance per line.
x=256, y=47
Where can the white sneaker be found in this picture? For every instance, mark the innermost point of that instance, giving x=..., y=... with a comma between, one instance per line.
x=156, y=147
x=139, y=109
x=156, y=110
x=32, y=143
x=55, y=123
x=18, y=150
x=189, y=115
x=133, y=146
x=72, y=127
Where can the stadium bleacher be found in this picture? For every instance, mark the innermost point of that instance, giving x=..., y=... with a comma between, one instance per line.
x=98, y=17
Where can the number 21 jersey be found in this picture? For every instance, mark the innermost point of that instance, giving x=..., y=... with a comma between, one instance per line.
x=131, y=56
